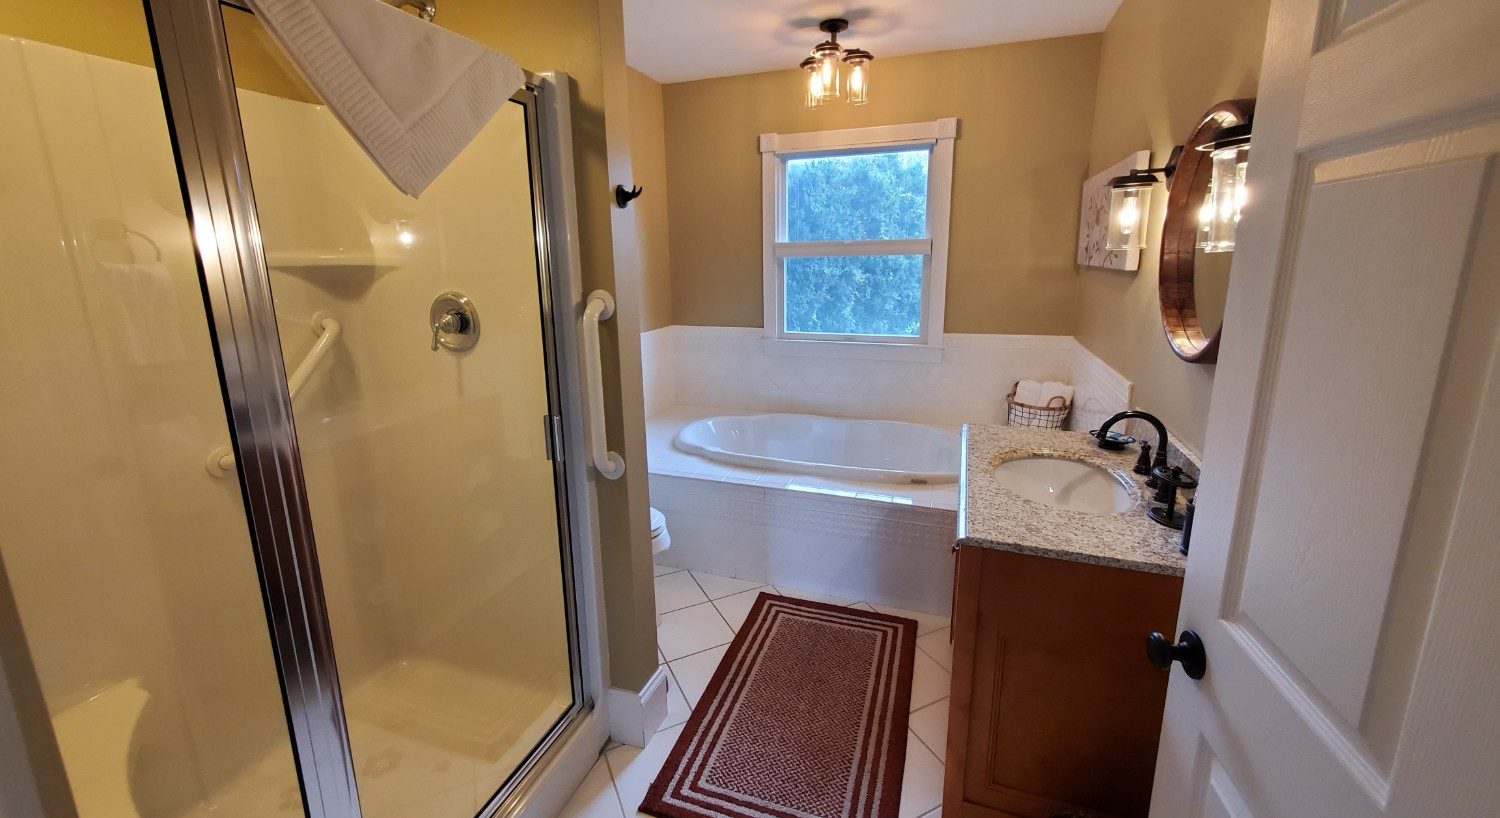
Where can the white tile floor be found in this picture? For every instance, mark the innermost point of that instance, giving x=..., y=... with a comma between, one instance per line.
x=699, y=615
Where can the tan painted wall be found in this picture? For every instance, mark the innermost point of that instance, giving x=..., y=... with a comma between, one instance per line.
x=648, y=156
x=115, y=30
x=629, y=587
x=1024, y=111
x=1163, y=64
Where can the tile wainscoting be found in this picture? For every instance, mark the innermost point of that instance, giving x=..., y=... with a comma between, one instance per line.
x=729, y=367
x=887, y=552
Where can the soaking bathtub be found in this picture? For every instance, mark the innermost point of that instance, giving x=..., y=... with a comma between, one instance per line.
x=884, y=451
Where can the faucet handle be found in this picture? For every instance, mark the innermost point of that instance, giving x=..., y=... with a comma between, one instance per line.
x=1174, y=477
x=1143, y=463
x=1169, y=480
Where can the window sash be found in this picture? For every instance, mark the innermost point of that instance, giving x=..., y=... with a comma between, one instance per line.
x=783, y=249
x=923, y=328
x=874, y=247
x=776, y=149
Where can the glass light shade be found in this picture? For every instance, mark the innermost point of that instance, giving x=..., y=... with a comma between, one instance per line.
x=857, y=84
x=1206, y=217
x=828, y=57
x=814, y=83
x=1228, y=198
x=1128, y=207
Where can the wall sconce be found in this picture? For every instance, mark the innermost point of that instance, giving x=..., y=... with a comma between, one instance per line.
x=1130, y=203
x=1220, y=216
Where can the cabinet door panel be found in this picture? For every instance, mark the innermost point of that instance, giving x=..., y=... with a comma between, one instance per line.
x=1063, y=710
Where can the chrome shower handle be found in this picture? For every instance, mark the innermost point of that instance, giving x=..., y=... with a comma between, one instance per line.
x=426, y=9
x=454, y=322
x=451, y=322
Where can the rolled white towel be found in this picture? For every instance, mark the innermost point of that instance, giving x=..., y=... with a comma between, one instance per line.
x=1052, y=389
x=1029, y=393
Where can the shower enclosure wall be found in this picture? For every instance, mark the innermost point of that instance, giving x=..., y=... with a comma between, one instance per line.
x=373, y=596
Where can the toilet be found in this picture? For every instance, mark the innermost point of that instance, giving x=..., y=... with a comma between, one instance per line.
x=660, y=539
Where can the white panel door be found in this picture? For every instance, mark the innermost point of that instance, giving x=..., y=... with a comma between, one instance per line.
x=1345, y=575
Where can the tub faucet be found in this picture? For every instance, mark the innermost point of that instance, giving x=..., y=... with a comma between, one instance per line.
x=1161, y=437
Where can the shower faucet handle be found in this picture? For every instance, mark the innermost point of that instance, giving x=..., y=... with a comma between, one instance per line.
x=454, y=322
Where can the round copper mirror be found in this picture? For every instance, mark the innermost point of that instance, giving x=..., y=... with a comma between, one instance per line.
x=1193, y=284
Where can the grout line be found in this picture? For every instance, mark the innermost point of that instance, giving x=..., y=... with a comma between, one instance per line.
x=913, y=734
x=722, y=618
x=685, y=607
x=673, y=674
x=927, y=705
x=721, y=576
x=614, y=785
x=699, y=585
x=928, y=653
x=732, y=629
x=696, y=652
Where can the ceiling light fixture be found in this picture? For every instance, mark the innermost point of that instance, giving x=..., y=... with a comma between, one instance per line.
x=825, y=69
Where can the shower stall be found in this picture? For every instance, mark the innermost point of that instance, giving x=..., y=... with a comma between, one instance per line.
x=285, y=522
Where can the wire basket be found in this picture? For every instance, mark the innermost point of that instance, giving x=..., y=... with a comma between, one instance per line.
x=1051, y=416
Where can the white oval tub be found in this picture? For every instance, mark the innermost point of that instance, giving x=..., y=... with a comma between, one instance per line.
x=886, y=451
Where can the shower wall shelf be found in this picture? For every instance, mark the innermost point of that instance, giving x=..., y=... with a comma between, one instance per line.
x=292, y=261
x=221, y=460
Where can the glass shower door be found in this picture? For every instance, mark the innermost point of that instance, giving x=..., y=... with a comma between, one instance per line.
x=415, y=336
x=132, y=628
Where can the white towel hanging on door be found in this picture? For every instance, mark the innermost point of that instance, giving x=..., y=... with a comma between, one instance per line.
x=412, y=93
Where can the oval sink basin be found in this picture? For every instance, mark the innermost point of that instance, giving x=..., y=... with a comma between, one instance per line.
x=1067, y=484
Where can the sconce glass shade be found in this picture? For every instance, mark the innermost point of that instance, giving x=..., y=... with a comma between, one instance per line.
x=1129, y=204
x=1228, y=199
x=1206, y=217
x=828, y=55
x=813, y=82
x=1128, y=207
x=857, y=83
x=1230, y=152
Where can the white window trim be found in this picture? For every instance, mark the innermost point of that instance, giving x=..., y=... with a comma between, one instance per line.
x=775, y=149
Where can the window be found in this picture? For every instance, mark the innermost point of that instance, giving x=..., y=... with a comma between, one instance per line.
x=856, y=226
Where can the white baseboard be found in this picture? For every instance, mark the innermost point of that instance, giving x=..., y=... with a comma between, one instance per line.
x=635, y=716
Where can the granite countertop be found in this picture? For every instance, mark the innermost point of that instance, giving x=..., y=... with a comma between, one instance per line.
x=991, y=516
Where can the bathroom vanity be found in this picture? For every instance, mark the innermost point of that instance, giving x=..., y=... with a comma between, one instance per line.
x=1060, y=577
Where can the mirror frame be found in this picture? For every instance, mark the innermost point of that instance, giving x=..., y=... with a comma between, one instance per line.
x=1179, y=236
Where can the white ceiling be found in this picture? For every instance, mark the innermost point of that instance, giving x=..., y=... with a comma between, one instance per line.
x=678, y=40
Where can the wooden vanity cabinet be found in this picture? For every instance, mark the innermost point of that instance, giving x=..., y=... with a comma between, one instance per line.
x=1055, y=710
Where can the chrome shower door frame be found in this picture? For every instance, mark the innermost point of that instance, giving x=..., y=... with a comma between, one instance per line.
x=193, y=65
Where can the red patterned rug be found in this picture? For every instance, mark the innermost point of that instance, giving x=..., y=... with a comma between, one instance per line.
x=805, y=716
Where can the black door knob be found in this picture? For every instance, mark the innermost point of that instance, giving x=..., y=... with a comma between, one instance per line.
x=1188, y=651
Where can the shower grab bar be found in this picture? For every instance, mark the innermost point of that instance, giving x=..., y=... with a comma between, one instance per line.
x=329, y=331
x=221, y=461
x=599, y=307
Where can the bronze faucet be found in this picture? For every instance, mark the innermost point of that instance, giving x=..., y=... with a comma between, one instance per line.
x=1101, y=435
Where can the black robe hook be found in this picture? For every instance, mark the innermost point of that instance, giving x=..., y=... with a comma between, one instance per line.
x=623, y=197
